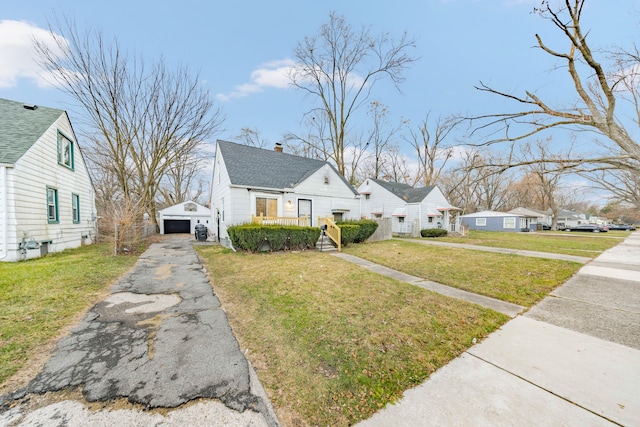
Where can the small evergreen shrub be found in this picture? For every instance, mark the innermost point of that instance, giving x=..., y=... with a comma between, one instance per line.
x=433, y=232
x=366, y=228
x=254, y=237
x=348, y=233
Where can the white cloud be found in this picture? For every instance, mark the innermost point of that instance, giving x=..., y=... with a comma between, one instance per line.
x=274, y=74
x=18, y=53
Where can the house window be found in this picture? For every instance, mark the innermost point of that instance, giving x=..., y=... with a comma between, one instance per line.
x=266, y=206
x=400, y=219
x=65, y=151
x=509, y=223
x=377, y=215
x=430, y=220
x=190, y=207
x=52, y=205
x=75, y=208
x=326, y=180
x=481, y=222
x=367, y=196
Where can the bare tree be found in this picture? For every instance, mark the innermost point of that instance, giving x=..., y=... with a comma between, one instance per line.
x=339, y=67
x=316, y=143
x=252, y=137
x=184, y=180
x=144, y=119
x=598, y=92
x=479, y=183
x=624, y=185
x=548, y=174
x=430, y=148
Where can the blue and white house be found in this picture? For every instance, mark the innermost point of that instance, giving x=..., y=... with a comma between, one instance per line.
x=47, y=201
x=496, y=221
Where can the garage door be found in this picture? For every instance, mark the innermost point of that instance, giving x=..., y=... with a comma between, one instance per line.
x=177, y=226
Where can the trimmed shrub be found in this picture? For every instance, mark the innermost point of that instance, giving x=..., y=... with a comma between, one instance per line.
x=348, y=233
x=253, y=237
x=433, y=232
x=366, y=228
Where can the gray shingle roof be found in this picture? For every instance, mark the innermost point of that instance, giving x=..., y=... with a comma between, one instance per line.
x=405, y=191
x=20, y=128
x=257, y=167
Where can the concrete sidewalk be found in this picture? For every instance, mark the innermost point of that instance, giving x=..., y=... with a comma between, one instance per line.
x=572, y=360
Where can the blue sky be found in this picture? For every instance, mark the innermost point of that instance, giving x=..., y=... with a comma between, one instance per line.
x=238, y=46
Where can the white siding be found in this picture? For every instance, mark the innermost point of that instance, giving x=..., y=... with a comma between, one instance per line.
x=202, y=215
x=38, y=169
x=327, y=198
x=380, y=201
x=220, y=196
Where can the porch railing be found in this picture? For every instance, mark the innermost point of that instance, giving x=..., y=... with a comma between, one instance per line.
x=333, y=231
x=302, y=221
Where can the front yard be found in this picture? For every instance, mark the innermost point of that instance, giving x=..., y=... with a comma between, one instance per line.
x=517, y=279
x=580, y=244
x=39, y=298
x=331, y=342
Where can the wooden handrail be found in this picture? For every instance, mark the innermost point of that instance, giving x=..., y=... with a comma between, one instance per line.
x=302, y=221
x=333, y=231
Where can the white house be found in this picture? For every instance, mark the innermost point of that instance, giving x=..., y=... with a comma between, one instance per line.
x=183, y=217
x=411, y=209
x=253, y=181
x=46, y=197
x=533, y=216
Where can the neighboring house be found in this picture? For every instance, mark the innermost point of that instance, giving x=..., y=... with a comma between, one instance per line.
x=46, y=197
x=496, y=221
x=533, y=216
x=410, y=209
x=568, y=218
x=183, y=217
x=253, y=181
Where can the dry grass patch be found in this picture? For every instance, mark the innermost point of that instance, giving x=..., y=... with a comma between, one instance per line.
x=332, y=342
x=582, y=244
x=517, y=279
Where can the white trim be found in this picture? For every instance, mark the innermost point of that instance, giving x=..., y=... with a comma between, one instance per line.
x=4, y=187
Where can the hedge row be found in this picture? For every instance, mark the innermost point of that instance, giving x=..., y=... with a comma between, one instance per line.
x=254, y=238
x=433, y=232
x=356, y=231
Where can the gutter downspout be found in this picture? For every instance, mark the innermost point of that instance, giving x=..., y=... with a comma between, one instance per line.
x=5, y=210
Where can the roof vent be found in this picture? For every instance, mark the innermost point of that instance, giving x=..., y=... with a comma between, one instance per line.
x=30, y=106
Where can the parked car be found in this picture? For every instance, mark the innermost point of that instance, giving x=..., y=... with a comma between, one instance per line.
x=545, y=226
x=588, y=227
x=624, y=227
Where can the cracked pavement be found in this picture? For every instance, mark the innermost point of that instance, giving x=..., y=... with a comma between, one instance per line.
x=159, y=340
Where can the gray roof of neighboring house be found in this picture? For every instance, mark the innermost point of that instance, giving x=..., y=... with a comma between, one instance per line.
x=256, y=167
x=20, y=128
x=406, y=192
x=490, y=214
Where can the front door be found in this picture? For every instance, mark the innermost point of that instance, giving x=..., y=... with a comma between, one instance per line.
x=304, y=210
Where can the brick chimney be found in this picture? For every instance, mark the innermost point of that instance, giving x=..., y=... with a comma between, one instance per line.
x=278, y=147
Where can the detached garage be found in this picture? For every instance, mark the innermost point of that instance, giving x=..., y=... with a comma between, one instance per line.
x=183, y=217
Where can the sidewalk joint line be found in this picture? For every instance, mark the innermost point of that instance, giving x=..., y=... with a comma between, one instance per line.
x=542, y=388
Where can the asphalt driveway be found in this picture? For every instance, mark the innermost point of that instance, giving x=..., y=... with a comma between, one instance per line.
x=160, y=340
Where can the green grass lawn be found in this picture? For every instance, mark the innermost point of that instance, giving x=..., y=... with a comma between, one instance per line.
x=332, y=342
x=580, y=244
x=517, y=279
x=40, y=297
